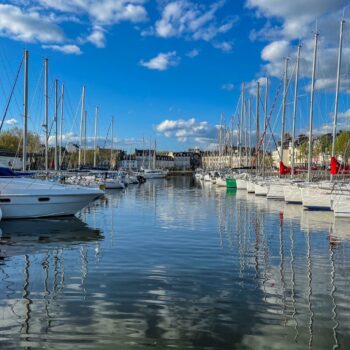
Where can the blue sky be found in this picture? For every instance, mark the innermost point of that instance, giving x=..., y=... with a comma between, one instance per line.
x=168, y=69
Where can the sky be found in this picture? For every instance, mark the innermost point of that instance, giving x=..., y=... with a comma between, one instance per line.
x=169, y=69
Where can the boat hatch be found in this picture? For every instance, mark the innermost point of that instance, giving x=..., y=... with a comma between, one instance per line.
x=5, y=200
x=43, y=199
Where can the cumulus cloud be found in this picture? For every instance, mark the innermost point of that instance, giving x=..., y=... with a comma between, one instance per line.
x=162, y=61
x=183, y=130
x=101, y=11
x=66, y=49
x=193, y=21
x=97, y=37
x=28, y=25
x=11, y=122
x=295, y=21
x=40, y=20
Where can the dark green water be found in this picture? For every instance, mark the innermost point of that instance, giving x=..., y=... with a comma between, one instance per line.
x=171, y=264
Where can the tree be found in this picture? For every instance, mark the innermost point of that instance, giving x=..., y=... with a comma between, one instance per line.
x=342, y=145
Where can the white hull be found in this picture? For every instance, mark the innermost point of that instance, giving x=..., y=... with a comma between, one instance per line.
x=275, y=191
x=260, y=189
x=292, y=194
x=207, y=177
x=198, y=176
x=29, y=198
x=31, y=206
x=113, y=185
x=341, y=206
x=315, y=198
x=220, y=182
x=250, y=187
x=241, y=184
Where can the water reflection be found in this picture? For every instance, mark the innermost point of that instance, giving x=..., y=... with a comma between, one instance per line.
x=179, y=265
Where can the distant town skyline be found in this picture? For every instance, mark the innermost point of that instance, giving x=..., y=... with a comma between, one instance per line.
x=167, y=69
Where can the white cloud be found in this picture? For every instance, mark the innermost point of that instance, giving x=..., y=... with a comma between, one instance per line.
x=66, y=49
x=224, y=46
x=193, y=53
x=227, y=86
x=11, y=122
x=344, y=115
x=183, y=130
x=183, y=18
x=296, y=20
x=101, y=11
x=28, y=25
x=162, y=61
x=97, y=37
x=40, y=20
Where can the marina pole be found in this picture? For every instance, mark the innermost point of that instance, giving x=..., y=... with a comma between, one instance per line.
x=25, y=111
x=46, y=123
x=61, y=126
x=312, y=107
x=295, y=109
x=112, y=143
x=337, y=88
x=95, y=136
x=56, y=124
x=85, y=146
x=81, y=124
x=265, y=123
x=257, y=126
x=250, y=131
x=240, y=126
x=284, y=106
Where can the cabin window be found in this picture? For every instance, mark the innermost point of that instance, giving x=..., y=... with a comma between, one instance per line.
x=5, y=200
x=43, y=199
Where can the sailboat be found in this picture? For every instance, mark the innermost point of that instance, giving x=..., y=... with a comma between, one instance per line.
x=23, y=197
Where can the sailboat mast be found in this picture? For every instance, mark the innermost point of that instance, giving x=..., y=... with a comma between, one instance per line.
x=257, y=126
x=46, y=123
x=85, y=145
x=240, y=126
x=265, y=124
x=25, y=111
x=81, y=124
x=295, y=108
x=284, y=107
x=250, y=131
x=61, y=126
x=154, y=155
x=56, y=125
x=95, y=136
x=337, y=87
x=312, y=107
x=112, y=143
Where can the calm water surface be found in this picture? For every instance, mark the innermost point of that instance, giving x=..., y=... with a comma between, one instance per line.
x=172, y=264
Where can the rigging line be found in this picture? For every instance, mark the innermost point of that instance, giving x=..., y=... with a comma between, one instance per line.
x=11, y=94
x=74, y=119
x=268, y=120
x=6, y=69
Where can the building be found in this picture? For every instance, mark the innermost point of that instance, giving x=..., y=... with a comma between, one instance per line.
x=10, y=159
x=182, y=160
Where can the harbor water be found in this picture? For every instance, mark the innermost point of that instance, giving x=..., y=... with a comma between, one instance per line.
x=177, y=264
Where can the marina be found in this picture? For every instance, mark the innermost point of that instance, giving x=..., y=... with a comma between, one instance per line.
x=174, y=174
x=149, y=267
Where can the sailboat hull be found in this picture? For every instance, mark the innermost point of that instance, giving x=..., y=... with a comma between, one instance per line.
x=316, y=198
x=292, y=194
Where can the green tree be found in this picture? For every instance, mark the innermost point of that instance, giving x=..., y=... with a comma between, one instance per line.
x=342, y=145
